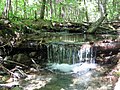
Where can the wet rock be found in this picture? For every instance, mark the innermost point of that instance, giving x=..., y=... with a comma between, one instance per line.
x=33, y=82
x=1, y=59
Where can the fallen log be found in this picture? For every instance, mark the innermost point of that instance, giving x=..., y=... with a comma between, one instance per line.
x=107, y=47
x=102, y=51
x=93, y=27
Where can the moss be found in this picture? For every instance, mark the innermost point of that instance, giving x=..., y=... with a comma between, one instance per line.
x=117, y=74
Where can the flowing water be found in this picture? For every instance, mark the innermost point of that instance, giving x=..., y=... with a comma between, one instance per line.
x=72, y=65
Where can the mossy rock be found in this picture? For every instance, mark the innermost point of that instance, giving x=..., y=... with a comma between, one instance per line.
x=39, y=24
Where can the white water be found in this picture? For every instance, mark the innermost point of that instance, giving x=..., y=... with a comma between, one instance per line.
x=87, y=53
x=78, y=68
x=86, y=59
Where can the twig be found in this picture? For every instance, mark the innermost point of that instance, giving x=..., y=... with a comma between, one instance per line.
x=37, y=67
x=8, y=71
x=16, y=63
x=9, y=85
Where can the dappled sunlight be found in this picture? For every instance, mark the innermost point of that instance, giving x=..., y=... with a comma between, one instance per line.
x=59, y=44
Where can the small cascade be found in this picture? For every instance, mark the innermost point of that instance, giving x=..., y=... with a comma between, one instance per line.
x=62, y=53
x=70, y=53
x=70, y=59
x=87, y=53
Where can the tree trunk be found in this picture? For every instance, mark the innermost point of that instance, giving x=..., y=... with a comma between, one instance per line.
x=5, y=13
x=16, y=7
x=102, y=7
x=42, y=9
x=55, y=11
x=25, y=16
x=51, y=9
x=95, y=25
x=60, y=12
x=86, y=11
x=47, y=9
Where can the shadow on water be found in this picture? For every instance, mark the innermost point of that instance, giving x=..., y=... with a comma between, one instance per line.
x=58, y=82
x=72, y=66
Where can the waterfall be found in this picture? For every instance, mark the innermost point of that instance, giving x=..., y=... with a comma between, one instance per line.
x=68, y=58
x=87, y=53
x=70, y=53
x=62, y=53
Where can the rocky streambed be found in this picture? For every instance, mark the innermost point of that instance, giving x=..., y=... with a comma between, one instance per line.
x=104, y=77
x=26, y=68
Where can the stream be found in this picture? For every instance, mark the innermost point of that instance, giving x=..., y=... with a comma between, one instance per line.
x=73, y=67
x=70, y=64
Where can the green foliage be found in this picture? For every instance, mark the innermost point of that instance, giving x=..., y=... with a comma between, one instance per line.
x=113, y=10
x=117, y=73
x=63, y=10
x=16, y=88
